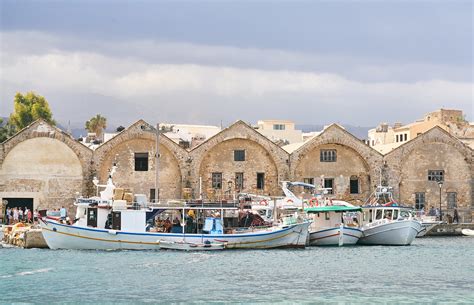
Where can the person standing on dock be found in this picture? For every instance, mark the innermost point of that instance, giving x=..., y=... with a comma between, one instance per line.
x=456, y=216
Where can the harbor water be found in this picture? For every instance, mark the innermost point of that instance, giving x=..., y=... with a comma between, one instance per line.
x=431, y=270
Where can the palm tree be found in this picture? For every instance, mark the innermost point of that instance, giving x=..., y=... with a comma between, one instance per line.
x=97, y=125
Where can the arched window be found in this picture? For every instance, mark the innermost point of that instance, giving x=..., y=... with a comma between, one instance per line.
x=354, y=185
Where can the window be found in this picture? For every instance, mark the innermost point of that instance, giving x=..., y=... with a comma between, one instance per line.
x=260, y=181
x=216, y=180
x=354, y=185
x=239, y=155
x=152, y=195
x=419, y=201
x=327, y=155
x=328, y=183
x=141, y=162
x=406, y=137
x=452, y=200
x=239, y=181
x=396, y=138
x=278, y=126
x=435, y=175
x=309, y=181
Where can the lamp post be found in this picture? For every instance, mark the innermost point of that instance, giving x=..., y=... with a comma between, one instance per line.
x=440, y=184
x=157, y=131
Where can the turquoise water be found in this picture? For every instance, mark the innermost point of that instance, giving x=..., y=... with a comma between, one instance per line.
x=431, y=270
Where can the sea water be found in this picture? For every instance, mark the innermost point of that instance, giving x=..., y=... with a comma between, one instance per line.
x=431, y=270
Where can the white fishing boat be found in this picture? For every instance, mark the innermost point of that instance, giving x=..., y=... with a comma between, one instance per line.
x=384, y=222
x=467, y=232
x=334, y=225
x=428, y=223
x=106, y=223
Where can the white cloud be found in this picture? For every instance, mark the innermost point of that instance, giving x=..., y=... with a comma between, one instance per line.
x=264, y=92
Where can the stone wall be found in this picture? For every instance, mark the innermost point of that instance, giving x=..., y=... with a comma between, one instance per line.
x=46, y=164
x=216, y=155
x=43, y=163
x=408, y=166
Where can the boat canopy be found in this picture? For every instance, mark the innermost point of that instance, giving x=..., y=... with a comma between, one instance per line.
x=333, y=208
x=301, y=184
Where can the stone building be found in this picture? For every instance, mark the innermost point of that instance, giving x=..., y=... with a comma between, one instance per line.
x=43, y=167
x=338, y=160
x=415, y=168
x=238, y=158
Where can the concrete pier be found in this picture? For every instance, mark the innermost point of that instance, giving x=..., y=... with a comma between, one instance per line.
x=25, y=237
x=450, y=229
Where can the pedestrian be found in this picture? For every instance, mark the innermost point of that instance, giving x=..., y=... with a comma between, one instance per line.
x=7, y=216
x=15, y=215
x=35, y=216
x=29, y=216
x=432, y=212
x=456, y=216
x=63, y=213
x=20, y=214
x=437, y=214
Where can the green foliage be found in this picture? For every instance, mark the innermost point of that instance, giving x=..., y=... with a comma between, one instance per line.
x=97, y=125
x=28, y=108
x=3, y=131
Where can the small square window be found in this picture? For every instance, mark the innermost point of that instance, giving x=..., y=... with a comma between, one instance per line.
x=278, y=126
x=239, y=155
x=141, y=162
x=436, y=175
x=327, y=155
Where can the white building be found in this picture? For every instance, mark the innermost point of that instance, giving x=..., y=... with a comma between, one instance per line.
x=281, y=132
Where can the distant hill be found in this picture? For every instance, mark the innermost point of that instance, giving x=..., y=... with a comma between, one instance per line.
x=358, y=131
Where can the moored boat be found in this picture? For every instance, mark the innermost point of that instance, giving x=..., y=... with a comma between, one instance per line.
x=108, y=223
x=334, y=225
x=467, y=232
x=384, y=222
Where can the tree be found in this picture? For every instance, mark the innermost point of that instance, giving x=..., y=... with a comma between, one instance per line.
x=3, y=131
x=97, y=125
x=27, y=109
x=120, y=128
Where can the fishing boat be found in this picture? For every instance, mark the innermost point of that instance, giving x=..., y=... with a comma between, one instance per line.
x=334, y=225
x=106, y=223
x=385, y=222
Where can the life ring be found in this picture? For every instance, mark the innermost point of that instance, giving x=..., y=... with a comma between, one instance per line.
x=263, y=202
x=289, y=201
x=314, y=202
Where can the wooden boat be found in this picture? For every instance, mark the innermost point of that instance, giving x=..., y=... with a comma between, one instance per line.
x=467, y=232
x=187, y=246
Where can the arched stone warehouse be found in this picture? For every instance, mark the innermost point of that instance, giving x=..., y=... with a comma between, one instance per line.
x=45, y=166
x=336, y=159
x=133, y=150
x=238, y=159
x=417, y=166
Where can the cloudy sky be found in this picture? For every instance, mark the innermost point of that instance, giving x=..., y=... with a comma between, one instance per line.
x=315, y=62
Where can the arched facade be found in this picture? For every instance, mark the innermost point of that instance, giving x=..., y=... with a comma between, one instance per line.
x=416, y=167
x=238, y=153
x=338, y=160
x=134, y=145
x=44, y=165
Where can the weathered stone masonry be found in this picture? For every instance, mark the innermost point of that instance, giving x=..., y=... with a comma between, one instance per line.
x=46, y=164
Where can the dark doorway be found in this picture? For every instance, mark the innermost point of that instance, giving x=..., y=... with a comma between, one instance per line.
x=19, y=203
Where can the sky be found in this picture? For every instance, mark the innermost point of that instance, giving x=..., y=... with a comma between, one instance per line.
x=207, y=62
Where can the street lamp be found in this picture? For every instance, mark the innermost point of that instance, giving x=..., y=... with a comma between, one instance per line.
x=440, y=184
x=157, y=131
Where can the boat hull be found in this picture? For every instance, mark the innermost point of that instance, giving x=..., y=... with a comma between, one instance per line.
x=185, y=246
x=61, y=236
x=395, y=233
x=467, y=232
x=330, y=237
